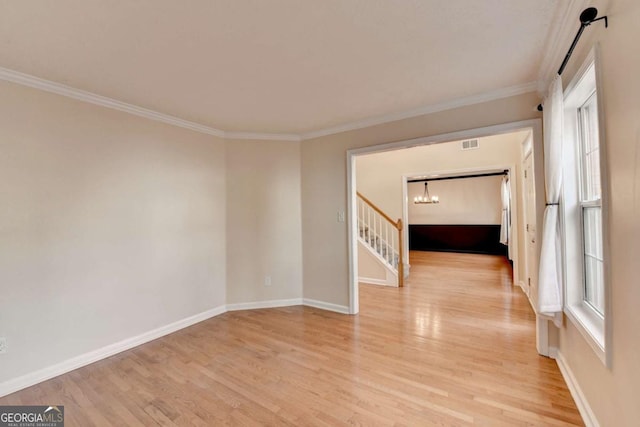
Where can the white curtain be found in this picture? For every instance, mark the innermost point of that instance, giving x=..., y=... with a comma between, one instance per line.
x=505, y=223
x=550, y=279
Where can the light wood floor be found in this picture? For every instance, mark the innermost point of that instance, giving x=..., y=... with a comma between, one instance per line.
x=454, y=347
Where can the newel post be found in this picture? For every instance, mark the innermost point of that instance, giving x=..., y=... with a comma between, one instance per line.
x=400, y=254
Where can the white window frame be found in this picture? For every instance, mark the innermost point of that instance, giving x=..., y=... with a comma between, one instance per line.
x=593, y=326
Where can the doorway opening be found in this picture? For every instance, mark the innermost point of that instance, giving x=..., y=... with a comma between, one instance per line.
x=387, y=174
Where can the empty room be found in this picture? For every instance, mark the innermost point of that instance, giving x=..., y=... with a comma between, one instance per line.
x=355, y=212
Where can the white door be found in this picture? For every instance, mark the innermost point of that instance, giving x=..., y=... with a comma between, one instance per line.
x=530, y=228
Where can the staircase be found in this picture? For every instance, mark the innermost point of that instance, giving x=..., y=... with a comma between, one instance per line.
x=381, y=235
x=379, y=246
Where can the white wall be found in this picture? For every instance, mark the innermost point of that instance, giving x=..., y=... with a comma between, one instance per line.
x=613, y=393
x=462, y=201
x=371, y=270
x=264, y=231
x=110, y=226
x=379, y=175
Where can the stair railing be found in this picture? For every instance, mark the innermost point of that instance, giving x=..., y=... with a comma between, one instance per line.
x=382, y=234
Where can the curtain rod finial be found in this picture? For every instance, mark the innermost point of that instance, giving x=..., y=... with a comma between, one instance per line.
x=588, y=15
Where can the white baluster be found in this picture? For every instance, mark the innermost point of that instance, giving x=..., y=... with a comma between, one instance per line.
x=373, y=231
x=368, y=225
x=386, y=239
x=360, y=219
x=390, y=253
x=378, y=225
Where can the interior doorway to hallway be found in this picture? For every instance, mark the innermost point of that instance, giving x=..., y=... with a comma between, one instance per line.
x=382, y=174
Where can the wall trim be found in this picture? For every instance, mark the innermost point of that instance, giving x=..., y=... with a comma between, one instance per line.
x=343, y=309
x=24, y=79
x=103, y=101
x=424, y=110
x=522, y=285
x=88, y=358
x=584, y=408
x=288, y=303
x=33, y=378
x=264, y=304
x=558, y=41
x=525, y=290
x=377, y=282
x=263, y=136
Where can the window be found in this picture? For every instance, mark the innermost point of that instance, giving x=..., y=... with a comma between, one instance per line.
x=583, y=209
x=591, y=203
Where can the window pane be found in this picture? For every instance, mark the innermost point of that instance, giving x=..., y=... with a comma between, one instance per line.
x=590, y=149
x=592, y=219
x=593, y=263
x=592, y=175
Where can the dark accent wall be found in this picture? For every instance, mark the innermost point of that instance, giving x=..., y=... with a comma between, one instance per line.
x=481, y=239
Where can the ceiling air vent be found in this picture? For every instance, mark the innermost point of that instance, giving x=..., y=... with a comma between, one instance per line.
x=470, y=144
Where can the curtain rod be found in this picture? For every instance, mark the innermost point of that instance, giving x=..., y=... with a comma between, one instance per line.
x=587, y=17
x=477, y=175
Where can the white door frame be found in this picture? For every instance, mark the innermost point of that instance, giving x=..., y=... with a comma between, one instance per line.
x=535, y=125
x=525, y=205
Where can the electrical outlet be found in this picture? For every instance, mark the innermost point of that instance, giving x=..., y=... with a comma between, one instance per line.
x=267, y=280
x=340, y=216
x=3, y=345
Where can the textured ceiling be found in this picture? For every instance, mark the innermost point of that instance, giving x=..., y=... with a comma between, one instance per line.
x=282, y=66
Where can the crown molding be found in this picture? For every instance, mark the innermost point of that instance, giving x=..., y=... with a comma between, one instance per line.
x=263, y=136
x=428, y=109
x=103, y=101
x=558, y=40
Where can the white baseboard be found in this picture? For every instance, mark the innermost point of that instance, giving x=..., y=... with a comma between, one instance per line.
x=19, y=383
x=584, y=408
x=289, y=302
x=523, y=287
x=526, y=290
x=44, y=374
x=326, y=305
x=371, y=281
x=264, y=304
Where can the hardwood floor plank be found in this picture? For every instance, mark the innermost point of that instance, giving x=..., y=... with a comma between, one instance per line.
x=454, y=347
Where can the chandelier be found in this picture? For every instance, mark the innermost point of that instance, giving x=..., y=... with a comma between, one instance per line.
x=426, y=198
